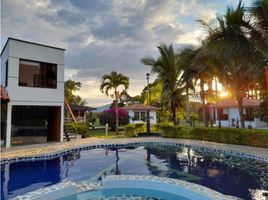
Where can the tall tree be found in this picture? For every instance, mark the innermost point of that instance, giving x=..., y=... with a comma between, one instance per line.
x=186, y=61
x=167, y=70
x=70, y=87
x=229, y=43
x=112, y=82
x=259, y=31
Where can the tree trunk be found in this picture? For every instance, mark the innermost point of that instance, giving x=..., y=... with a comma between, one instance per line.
x=116, y=112
x=240, y=108
x=203, y=102
x=187, y=108
x=216, y=89
x=173, y=116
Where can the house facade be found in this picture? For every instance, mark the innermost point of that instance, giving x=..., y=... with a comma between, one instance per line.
x=33, y=76
x=137, y=113
x=226, y=113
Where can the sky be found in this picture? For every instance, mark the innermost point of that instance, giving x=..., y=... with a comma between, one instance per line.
x=101, y=36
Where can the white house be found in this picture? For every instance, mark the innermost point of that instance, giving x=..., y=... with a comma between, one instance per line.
x=33, y=75
x=226, y=112
x=137, y=113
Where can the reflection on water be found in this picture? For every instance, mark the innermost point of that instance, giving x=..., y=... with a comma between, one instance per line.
x=227, y=175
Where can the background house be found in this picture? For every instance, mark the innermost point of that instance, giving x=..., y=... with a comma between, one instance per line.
x=226, y=112
x=79, y=111
x=137, y=113
x=33, y=76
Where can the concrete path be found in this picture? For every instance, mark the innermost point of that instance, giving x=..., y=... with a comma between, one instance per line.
x=47, y=148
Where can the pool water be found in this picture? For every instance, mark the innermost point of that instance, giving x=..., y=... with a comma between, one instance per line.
x=229, y=175
x=123, y=194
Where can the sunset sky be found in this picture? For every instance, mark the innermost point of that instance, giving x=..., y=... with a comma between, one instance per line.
x=105, y=35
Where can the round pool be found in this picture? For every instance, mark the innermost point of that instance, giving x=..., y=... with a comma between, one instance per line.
x=227, y=173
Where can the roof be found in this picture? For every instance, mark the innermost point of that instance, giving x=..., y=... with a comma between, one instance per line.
x=233, y=103
x=29, y=42
x=139, y=107
x=4, y=94
x=81, y=108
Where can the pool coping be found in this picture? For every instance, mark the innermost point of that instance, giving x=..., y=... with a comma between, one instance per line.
x=37, y=152
x=163, y=184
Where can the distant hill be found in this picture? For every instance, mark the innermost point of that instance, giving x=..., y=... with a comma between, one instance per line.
x=102, y=108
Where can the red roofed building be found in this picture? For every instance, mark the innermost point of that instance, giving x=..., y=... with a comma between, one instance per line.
x=226, y=113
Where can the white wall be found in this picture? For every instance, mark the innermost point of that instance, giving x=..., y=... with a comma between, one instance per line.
x=131, y=116
x=17, y=50
x=234, y=114
x=4, y=58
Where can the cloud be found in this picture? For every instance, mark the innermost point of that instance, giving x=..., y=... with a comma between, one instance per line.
x=101, y=36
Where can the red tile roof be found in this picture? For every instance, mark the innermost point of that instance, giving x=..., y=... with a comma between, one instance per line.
x=233, y=103
x=138, y=107
x=4, y=94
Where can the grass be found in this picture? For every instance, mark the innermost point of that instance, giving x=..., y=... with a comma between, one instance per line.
x=102, y=134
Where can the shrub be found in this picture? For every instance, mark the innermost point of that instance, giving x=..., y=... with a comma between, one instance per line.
x=170, y=131
x=108, y=116
x=249, y=137
x=134, y=129
x=82, y=130
x=130, y=130
x=78, y=128
x=91, y=119
x=140, y=127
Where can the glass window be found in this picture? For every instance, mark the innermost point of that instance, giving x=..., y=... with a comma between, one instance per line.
x=143, y=116
x=136, y=116
x=249, y=116
x=35, y=124
x=221, y=115
x=37, y=74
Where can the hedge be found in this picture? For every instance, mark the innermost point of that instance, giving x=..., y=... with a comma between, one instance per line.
x=134, y=129
x=79, y=128
x=170, y=131
x=249, y=137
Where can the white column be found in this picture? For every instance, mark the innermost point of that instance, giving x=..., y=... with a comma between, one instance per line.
x=8, y=130
x=61, y=123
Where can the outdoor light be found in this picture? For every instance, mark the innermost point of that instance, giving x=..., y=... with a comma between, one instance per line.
x=148, y=104
x=223, y=94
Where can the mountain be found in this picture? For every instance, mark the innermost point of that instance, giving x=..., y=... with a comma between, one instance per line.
x=102, y=108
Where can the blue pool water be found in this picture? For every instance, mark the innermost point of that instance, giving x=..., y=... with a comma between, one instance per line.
x=233, y=176
x=126, y=194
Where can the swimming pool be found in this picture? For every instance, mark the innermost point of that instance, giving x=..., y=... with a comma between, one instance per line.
x=218, y=170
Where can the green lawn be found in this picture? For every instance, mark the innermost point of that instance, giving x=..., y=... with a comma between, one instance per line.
x=102, y=134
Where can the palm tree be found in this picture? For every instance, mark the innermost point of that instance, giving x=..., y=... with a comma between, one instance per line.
x=259, y=33
x=186, y=60
x=168, y=72
x=206, y=70
x=229, y=43
x=111, y=82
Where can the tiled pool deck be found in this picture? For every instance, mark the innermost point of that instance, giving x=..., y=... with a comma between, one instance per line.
x=53, y=148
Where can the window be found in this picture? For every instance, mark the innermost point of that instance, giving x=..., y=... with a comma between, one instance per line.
x=143, y=116
x=6, y=78
x=249, y=116
x=136, y=116
x=37, y=74
x=221, y=114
